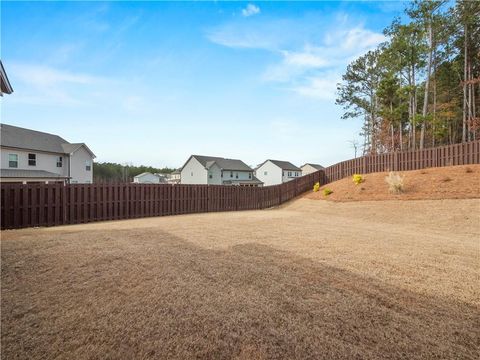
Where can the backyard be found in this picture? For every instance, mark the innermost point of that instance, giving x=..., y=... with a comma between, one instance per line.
x=313, y=279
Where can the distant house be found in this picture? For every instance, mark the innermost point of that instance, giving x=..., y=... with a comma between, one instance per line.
x=5, y=87
x=174, y=177
x=311, y=168
x=217, y=171
x=273, y=172
x=34, y=156
x=149, y=178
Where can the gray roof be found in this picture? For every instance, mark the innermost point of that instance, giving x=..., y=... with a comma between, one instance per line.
x=21, y=138
x=5, y=86
x=284, y=165
x=316, y=166
x=14, y=173
x=224, y=164
x=254, y=180
x=144, y=173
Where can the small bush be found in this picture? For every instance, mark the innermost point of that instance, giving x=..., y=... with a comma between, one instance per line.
x=358, y=179
x=316, y=187
x=327, y=191
x=446, y=179
x=395, y=182
x=468, y=170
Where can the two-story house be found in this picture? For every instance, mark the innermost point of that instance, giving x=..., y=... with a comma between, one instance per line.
x=217, y=171
x=309, y=168
x=274, y=172
x=34, y=156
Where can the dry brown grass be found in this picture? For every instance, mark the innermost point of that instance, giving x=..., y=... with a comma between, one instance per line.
x=452, y=182
x=314, y=279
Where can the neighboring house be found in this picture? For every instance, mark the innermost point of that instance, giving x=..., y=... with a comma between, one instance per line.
x=311, y=168
x=149, y=178
x=34, y=156
x=5, y=87
x=274, y=172
x=174, y=177
x=217, y=171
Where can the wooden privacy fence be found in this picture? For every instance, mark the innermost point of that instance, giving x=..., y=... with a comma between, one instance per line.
x=457, y=154
x=37, y=204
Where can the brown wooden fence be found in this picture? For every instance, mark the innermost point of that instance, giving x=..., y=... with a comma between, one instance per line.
x=457, y=154
x=57, y=204
x=27, y=205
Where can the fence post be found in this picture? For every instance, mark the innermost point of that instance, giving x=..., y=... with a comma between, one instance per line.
x=64, y=204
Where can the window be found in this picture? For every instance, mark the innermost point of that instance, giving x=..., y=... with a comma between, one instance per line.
x=191, y=174
x=289, y=173
x=221, y=175
x=88, y=165
x=236, y=175
x=265, y=173
x=231, y=174
x=249, y=175
x=32, y=159
x=12, y=160
x=210, y=176
x=59, y=161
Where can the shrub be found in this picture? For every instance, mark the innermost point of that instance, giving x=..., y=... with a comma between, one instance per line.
x=446, y=179
x=357, y=179
x=395, y=182
x=468, y=170
x=327, y=191
x=316, y=187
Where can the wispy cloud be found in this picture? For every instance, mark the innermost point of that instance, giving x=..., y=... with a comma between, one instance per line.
x=39, y=84
x=311, y=58
x=250, y=10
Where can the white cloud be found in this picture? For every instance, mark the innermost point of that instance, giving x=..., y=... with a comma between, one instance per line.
x=39, y=84
x=312, y=55
x=304, y=59
x=250, y=10
x=320, y=87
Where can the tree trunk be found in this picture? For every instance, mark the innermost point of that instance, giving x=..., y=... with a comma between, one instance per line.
x=434, y=94
x=400, y=130
x=427, y=85
x=465, y=53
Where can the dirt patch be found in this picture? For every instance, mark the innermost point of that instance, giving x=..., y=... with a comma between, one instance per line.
x=452, y=182
x=314, y=279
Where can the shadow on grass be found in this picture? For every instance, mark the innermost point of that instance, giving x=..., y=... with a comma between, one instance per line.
x=146, y=294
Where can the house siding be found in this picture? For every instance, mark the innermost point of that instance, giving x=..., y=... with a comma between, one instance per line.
x=273, y=176
x=146, y=179
x=293, y=175
x=193, y=173
x=308, y=169
x=78, y=171
x=45, y=161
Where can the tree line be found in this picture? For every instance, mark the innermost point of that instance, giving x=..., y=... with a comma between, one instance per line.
x=112, y=172
x=421, y=87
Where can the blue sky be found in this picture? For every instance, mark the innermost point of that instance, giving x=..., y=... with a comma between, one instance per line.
x=153, y=82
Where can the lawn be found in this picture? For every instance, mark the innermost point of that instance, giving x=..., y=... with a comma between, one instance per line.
x=310, y=280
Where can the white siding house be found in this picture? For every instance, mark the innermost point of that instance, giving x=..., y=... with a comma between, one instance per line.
x=217, y=171
x=274, y=172
x=148, y=178
x=33, y=156
x=311, y=168
x=175, y=177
